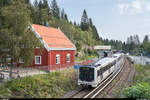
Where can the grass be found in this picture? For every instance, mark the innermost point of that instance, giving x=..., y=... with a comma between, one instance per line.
x=51, y=85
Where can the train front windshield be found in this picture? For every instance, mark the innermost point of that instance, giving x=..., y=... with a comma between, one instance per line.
x=86, y=74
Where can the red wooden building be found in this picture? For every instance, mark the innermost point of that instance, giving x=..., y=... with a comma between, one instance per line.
x=59, y=51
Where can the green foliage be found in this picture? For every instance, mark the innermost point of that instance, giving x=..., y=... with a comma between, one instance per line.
x=55, y=9
x=75, y=34
x=15, y=34
x=116, y=45
x=4, y=2
x=54, y=84
x=82, y=38
x=16, y=15
x=141, y=90
x=146, y=46
x=146, y=39
x=140, y=87
x=79, y=46
x=84, y=21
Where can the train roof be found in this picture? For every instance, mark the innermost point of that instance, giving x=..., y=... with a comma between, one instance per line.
x=117, y=54
x=103, y=61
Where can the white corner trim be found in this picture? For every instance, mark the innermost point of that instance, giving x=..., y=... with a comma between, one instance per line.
x=41, y=40
x=68, y=39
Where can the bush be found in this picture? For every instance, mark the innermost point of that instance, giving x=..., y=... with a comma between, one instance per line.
x=141, y=90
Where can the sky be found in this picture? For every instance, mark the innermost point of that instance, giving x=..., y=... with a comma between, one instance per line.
x=114, y=19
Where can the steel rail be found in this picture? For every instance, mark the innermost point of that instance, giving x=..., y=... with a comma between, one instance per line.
x=89, y=95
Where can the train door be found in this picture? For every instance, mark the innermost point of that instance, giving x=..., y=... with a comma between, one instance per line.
x=98, y=75
x=101, y=74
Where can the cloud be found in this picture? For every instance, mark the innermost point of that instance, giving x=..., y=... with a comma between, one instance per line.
x=134, y=7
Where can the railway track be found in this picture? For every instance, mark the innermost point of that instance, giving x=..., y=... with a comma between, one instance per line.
x=93, y=93
x=103, y=85
x=119, y=81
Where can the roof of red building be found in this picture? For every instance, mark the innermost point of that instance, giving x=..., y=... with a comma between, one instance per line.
x=54, y=38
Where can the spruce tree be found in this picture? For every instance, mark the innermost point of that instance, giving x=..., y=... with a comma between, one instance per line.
x=5, y=2
x=55, y=9
x=62, y=14
x=84, y=21
x=40, y=5
x=146, y=38
x=66, y=17
x=90, y=22
x=36, y=4
x=45, y=4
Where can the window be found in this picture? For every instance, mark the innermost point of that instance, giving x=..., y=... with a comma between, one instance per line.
x=57, y=59
x=37, y=59
x=21, y=60
x=68, y=57
x=86, y=74
x=98, y=72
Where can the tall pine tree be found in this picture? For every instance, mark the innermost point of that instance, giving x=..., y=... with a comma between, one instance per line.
x=146, y=38
x=55, y=9
x=84, y=21
x=62, y=14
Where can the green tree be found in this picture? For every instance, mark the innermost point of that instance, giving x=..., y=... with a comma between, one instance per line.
x=146, y=38
x=66, y=17
x=146, y=46
x=55, y=9
x=45, y=4
x=141, y=90
x=4, y=2
x=84, y=21
x=62, y=14
x=15, y=34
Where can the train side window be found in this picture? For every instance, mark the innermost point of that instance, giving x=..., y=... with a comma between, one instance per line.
x=114, y=62
x=98, y=72
x=109, y=65
x=101, y=71
x=104, y=69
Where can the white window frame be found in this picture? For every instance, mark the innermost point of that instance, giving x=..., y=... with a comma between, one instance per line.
x=36, y=61
x=21, y=60
x=57, y=58
x=68, y=55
